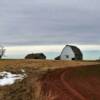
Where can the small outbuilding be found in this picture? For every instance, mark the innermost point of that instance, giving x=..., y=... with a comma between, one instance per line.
x=70, y=52
x=57, y=58
x=35, y=56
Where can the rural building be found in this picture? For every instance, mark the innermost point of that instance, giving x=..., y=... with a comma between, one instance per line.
x=2, y=51
x=57, y=58
x=35, y=56
x=70, y=53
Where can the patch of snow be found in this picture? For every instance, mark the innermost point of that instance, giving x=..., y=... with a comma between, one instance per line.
x=22, y=70
x=7, y=78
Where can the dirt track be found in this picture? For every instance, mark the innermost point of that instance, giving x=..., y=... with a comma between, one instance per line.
x=72, y=84
x=70, y=88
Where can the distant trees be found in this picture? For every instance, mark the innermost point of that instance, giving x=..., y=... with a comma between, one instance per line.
x=2, y=51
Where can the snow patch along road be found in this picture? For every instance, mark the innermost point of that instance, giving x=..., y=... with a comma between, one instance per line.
x=7, y=78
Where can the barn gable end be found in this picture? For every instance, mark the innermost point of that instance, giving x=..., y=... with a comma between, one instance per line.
x=67, y=53
x=70, y=52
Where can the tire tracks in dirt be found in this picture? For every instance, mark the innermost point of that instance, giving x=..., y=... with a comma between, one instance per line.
x=70, y=88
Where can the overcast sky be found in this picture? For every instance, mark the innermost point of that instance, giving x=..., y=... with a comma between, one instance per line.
x=42, y=22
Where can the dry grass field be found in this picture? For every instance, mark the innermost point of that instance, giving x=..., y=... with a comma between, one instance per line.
x=46, y=78
x=42, y=64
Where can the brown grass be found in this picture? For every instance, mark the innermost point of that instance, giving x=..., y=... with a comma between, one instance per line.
x=31, y=87
x=42, y=64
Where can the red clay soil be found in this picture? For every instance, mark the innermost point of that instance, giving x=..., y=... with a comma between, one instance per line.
x=80, y=83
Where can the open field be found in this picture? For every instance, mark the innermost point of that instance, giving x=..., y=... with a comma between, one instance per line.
x=42, y=64
x=50, y=80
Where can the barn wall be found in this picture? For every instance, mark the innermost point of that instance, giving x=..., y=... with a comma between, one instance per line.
x=67, y=51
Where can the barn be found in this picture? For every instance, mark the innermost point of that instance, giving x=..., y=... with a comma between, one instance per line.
x=70, y=52
x=35, y=56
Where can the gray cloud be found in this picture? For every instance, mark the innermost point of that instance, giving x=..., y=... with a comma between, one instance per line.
x=49, y=22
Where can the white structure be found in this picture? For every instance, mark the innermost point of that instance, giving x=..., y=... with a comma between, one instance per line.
x=70, y=53
x=2, y=51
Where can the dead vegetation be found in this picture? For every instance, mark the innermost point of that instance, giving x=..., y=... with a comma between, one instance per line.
x=28, y=89
x=43, y=81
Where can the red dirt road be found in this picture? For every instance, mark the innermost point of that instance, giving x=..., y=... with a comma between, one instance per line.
x=80, y=83
x=70, y=88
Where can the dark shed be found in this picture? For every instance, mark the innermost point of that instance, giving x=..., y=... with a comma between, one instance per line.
x=35, y=56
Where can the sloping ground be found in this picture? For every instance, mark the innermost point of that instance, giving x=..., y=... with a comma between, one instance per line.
x=27, y=89
x=52, y=80
x=80, y=83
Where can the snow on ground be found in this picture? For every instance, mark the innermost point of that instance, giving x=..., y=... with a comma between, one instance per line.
x=7, y=78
